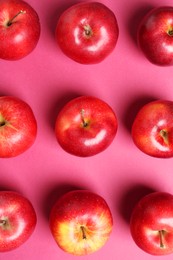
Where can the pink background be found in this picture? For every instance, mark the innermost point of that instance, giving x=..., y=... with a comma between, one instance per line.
x=47, y=79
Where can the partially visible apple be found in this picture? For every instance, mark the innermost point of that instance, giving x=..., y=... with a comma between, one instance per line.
x=155, y=35
x=17, y=220
x=87, y=32
x=18, y=126
x=81, y=222
x=152, y=129
x=85, y=126
x=19, y=29
x=151, y=223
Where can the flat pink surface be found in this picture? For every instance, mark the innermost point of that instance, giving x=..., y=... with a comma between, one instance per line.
x=47, y=79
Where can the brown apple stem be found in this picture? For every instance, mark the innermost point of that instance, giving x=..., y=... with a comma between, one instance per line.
x=2, y=120
x=11, y=20
x=83, y=120
x=170, y=32
x=161, y=238
x=2, y=222
x=2, y=123
x=83, y=232
x=164, y=135
x=88, y=31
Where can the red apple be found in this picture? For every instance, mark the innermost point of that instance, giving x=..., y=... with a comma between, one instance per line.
x=85, y=126
x=19, y=29
x=87, y=32
x=155, y=36
x=17, y=220
x=152, y=129
x=18, y=126
x=81, y=222
x=151, y=223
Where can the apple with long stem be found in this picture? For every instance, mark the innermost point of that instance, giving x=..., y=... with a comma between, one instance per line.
x=152, y=129
x=81, y=222
x=19, y=29
x=17, y=220
x=85, y=126
x=151, y=223
x=18, y=126
x=155, y=35
x=87, y=32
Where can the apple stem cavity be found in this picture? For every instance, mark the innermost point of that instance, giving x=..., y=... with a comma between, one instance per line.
x=2, y=121
x=9, y=23
x=164, y=135
x=170, y=31
x=87, y=31
x=161, y=232
x=83, y=232
x=85, y=124
x=2, y=222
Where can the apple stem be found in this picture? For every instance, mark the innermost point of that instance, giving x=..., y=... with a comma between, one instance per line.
x=85, y=124
x=170, y=32
x=2, y=120
x=164, y=135
x=83, y=232
x=161, y=238
x=2, y=222
x=88, y=31
x=11, y=20
x=2, y=124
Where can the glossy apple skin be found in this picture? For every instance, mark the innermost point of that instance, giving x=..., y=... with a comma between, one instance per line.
x=85, y=126
x=151, y=223
x=18, y=126
x=87, y=32
x=81, y=222
x=152, y=129
x=19, y=38
x=17, y=220
x=155, y=36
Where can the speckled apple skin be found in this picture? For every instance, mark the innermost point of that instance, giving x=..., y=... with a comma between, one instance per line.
x=82, y=46
x=153, y=213
x=76, y=209
x=20, y=218
x=90, y=139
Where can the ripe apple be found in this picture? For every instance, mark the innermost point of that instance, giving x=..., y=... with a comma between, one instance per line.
x=151, y=223
x=17, y=220
x=152, y=129
x=18, y=126
x=19, y=29
x=81, y=222
x=85, y=126
x=87, y=32
x=155, y=35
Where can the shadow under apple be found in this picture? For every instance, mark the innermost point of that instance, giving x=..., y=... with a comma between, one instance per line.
x=136, y=18
x=55, y=193
x=133, y=108
x=58, y=103
x=130, y=198
x=9, y=187
x=55, y=12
